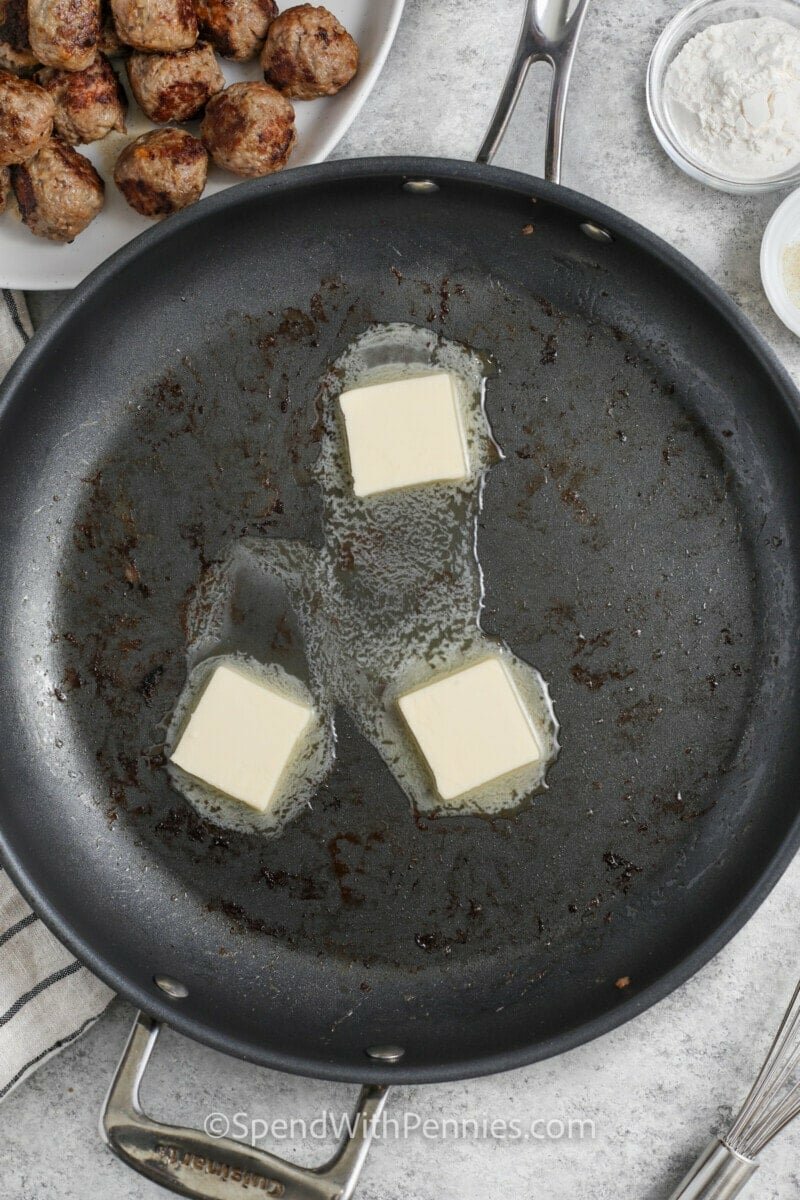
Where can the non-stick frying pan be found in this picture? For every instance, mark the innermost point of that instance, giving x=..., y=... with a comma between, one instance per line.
x=639, y=544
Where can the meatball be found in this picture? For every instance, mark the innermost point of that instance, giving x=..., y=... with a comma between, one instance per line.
x=58, y=192
x=18, y=62
x=26, y=119
x=249, y=129
x=109, y=41
x=155, y=24
x=175, y=87
x=89, y=104
x=64, y=33
x=15, y=48
x=308, y=53
x=235, y=28
x=5, y=187
x=162, y=172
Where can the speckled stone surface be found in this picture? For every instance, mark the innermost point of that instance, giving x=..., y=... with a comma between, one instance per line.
x=657, y=1088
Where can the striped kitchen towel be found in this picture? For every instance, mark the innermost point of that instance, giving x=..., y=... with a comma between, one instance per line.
x=47, y=999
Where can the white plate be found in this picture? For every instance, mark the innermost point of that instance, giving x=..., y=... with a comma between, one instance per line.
x=35, y=264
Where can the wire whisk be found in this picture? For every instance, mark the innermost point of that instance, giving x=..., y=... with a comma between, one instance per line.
x=727, y=1163
x=774, y=1098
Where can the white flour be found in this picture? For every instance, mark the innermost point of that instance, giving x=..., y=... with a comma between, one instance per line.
x=733, y=93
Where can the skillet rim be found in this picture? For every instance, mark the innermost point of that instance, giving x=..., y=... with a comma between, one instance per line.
x=583, y=208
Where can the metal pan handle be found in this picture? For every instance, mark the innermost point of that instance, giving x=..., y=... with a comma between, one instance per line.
x=549, y=34
x=192, y=1163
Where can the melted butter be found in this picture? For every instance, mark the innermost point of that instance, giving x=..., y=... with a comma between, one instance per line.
x=393, y=597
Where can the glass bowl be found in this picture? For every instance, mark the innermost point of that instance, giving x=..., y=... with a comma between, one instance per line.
x=783, y=230
x=688, y=22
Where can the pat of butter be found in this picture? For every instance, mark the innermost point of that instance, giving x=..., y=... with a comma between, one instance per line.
x=241, y=736
x=471, y=726
x=405, y=433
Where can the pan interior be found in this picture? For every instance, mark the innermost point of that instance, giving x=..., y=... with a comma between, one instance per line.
x=637, y=548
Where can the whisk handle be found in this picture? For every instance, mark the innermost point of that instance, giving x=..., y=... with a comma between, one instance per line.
x=718, y=1174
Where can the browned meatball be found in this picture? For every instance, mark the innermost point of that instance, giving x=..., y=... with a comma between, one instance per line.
x=89, y=104
x=5, y=187
x=109, y=42
x=162, y=171
x=175, y=87
x=15, y=48
x=64, y=33
x=26, y=119
x=18, y=62
x=155, y=24
x=236, y=28
x=249, y=129
x=308, y=53
x=58, y=192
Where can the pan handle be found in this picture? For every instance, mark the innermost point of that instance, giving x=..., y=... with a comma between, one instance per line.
x=193, y=1163
x=549, y=34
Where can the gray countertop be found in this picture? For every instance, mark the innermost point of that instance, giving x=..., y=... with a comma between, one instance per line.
x=655, y=1089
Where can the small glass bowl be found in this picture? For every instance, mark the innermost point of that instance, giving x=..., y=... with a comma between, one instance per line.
x=689, y=21
x=783, y=230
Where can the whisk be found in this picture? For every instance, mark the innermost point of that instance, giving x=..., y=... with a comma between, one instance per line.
x=727, y=1163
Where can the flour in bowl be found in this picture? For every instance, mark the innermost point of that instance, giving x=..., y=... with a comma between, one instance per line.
x=733, y=94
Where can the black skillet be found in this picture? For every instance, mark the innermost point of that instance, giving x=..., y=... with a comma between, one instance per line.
x=639, y=544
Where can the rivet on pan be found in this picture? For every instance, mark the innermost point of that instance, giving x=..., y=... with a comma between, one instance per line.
x=420, y=187
x=385, y=1054
x=596, y=232
x=172, y=987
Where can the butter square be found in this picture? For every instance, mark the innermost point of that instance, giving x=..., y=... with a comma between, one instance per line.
x=471, y=726
x=405, y=433
x=241, y=736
